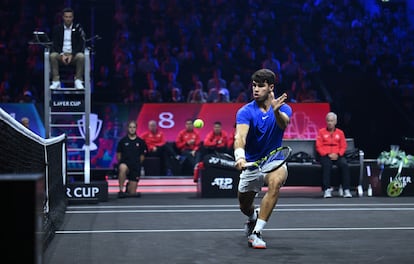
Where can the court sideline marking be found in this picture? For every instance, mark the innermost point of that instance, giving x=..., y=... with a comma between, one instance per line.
x=237, y=210
x=310, y=229
x=235, y=205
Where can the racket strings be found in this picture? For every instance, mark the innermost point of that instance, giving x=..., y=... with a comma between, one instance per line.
x=274, y=159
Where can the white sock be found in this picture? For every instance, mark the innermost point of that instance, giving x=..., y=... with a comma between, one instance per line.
x=253, y=217
x=260, y=224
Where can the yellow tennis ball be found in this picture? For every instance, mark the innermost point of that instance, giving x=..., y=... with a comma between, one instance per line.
x=198, y=123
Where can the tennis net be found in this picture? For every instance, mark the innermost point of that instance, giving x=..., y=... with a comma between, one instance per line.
x=22, y=151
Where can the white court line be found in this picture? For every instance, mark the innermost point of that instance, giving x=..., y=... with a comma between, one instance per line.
x=236, y=210
x=310, y=229
x=234, y=205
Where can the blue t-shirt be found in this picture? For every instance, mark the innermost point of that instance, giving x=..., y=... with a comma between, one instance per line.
x=264, y=134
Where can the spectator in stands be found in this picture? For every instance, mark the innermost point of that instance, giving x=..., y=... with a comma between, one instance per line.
x=331, y=146
x=271, y=62
x=243, y=97
x=169, y=66
x=158, y=147
x=151, y=94
x=290, y=68
x=130, y=153
x=148, y=63
x=25, y=121
x=197, y=95
x=216, y=141
x=214, y=84
x=27, y=97
x=223, y=96
x=67, y=49
x=5, y=87
x=236, y=87
x=176, y=96
x=302, y=87
x=172, y=89
x=188, y=143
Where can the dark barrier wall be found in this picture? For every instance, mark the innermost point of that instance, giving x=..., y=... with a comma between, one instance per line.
x=21, y=197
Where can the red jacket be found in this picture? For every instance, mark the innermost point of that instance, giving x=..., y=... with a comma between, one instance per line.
x=330, y=142
x=153, y=139
x=216, y=141
x=230, y=142
x=184, y=136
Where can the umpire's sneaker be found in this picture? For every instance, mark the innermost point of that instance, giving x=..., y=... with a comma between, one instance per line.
x=55, y=85
x=255, y=241
x=78, y=84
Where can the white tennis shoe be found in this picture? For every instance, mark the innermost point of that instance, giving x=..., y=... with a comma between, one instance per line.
x=55, y=85
x=347, y=194
x=327, y=193
x=255, y=241
x=78, y=84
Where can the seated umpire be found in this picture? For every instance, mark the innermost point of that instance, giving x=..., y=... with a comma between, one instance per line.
x=67, y=49
x=331, y=146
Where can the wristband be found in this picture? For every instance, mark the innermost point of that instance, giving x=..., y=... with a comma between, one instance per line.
x=239, y=154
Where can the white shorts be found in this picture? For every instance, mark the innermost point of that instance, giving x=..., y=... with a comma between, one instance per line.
x=253, y=180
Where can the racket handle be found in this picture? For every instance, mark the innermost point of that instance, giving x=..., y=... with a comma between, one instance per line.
x=249, y=164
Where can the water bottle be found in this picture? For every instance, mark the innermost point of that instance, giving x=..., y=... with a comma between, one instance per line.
x=360, y=191
x=369, y=190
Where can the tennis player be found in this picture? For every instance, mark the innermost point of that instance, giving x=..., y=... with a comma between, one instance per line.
x=260, y=125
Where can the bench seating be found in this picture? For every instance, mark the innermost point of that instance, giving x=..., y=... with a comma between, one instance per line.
x=310, y=173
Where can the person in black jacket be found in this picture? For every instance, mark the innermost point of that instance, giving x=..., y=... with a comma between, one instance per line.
x=68, y=42
x=130, y=153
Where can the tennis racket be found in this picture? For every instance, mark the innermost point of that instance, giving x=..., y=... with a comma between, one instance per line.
x=271, y=162
x=395, y=187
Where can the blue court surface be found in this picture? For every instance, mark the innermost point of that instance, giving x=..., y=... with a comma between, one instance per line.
x=182, y=228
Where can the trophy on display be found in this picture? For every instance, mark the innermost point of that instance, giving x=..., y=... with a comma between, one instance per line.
x=95, y=125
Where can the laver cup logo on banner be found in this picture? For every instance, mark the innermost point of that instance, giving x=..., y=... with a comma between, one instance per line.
x=95, y=125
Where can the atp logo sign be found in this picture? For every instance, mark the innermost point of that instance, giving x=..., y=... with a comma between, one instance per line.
x=223, y=183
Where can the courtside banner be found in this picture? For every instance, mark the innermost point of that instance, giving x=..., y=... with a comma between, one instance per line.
x=169, y=117
x=306, y=120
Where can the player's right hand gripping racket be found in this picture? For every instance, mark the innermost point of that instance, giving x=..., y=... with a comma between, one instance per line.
x=395, y=187
x=273, y=161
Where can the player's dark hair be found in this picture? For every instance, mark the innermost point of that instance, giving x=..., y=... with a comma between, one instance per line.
x=217, y=123
x=67, y=10
x=264, y=76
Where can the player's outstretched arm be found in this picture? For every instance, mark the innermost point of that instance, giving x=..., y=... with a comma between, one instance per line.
x=282, y=119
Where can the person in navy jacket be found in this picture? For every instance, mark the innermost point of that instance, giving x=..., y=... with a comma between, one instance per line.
x=68, y=44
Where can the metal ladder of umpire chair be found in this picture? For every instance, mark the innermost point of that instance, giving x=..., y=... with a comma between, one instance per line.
x=67, y=110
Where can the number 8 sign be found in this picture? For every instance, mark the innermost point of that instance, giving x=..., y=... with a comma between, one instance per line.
x=166, y=120
x=169, y=117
